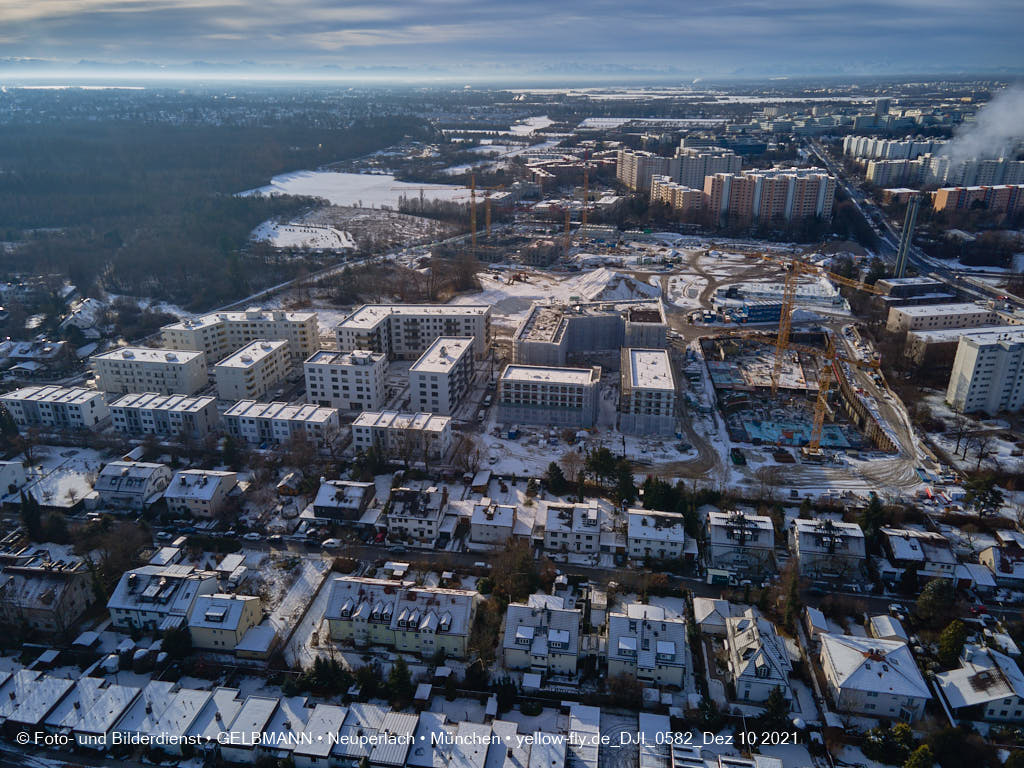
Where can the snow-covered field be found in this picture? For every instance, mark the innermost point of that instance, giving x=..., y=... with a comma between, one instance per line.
x=297, y=235
x=364, y=190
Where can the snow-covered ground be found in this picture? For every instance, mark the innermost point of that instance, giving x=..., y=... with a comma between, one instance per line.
x=531, y=125
x=297, y=235
x=355, y=189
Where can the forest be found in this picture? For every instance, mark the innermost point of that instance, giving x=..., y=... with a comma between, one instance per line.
x=149, y=209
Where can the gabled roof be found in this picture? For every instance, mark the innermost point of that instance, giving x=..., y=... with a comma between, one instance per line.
x=755, y=645
x=984, y=675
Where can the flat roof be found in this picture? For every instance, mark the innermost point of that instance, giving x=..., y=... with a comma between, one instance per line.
x=254, y=410
x=252, y=354
x=957, y=308
x=396, y=420
x=73, y=395
x=357, y=357
x=550, y=374
x=955, y=334
x=443, y=354
x=157, y=402
x=1015, y=336
x=149, y=355
x=368, y=315
x=249, y=315
x=650, y=369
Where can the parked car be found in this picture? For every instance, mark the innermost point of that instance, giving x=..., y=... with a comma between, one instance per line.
x=331, y=544
x=252, y=537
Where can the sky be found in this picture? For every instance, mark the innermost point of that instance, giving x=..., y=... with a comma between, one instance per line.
x=467, y=39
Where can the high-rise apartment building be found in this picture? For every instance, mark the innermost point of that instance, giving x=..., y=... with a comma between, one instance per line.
x=689, y=167
x=442, y=377
x=765, y=196
x=988, y=373
x=349, y=381
x=251, y=372
x=1002, y=198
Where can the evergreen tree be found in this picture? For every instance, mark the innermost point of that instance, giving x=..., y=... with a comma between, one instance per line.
x=555, y=479
x=951, y=643
x=400, y=683
x=921, y=757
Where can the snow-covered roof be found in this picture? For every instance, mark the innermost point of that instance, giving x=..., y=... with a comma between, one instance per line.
x=28, y=696
x=130, y=477
x=485, y=512
x=221, y=611
x=650, y=369
x=50, y=394
x=543, y=374
x=755, y=648
x=443, y=611
x=150, y=355
x=159, y=588
x=199, y=484
x=171, y=403
x=534, y=626
x=428, y=422
x=984, y=675
x=312, y=414
x=659, y=526
x=216, y=715
x=443, y=355
x=918, y=546
x=888, y=628
x=574, y=518
x=321, y=730
x=342, y=494
x=369, y=315
x=396, y=731
x=873, y=665
x=253, y=353
x=646, y=636
x=93, y=706
x=253, y=717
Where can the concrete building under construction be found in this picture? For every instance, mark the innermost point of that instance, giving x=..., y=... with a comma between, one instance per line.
x=551, y=334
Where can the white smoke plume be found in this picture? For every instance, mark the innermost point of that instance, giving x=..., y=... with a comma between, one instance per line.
x=996, y=131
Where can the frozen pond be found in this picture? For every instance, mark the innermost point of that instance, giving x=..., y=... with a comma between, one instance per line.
x=355, y=189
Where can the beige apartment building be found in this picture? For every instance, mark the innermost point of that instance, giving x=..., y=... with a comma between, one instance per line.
x=253, y=371
x=934, y=317
x=404, y=331
x=222, y=333
x=790, y=194
x=144, y=369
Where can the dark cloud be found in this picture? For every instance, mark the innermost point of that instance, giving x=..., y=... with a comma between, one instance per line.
x=723, y=37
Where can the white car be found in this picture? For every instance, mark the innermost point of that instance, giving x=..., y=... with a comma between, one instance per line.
x=252, y=537
x=331, y=544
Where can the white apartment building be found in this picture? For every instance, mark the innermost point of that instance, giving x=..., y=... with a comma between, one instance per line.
x=165, y=415
x=348, y=381
x=381, y=612
x=573, y=527
x=646, y=644
x=199, y=492
x=932, y=317
x=647, y=399
x=653, y=535
x=558, y=397
x=253, y=371
x=542, y=636
x=60, y=407
x=222, y=333
x=442, y=376
x=143, y=369
x=415, y=515
x=828, y=548
x=988, y=373
x=412, y=436
x=276, y=423
x=741, y=543
x=406, y=330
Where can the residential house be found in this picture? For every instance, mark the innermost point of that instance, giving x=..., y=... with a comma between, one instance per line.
x=741, y=543
x=653, y=535
x=573, y=528
x=987, y=686
x=43, y=594
x=758, y=658
x=343, y=499
x=131, y=484
x=874, y=677
x=158, y=597
x=218, y=622
x=542, y=635
x=414, y=515
x=926, y=552
x=828, y=549
x=492, y=523
x=199, y=492
x=644, y=642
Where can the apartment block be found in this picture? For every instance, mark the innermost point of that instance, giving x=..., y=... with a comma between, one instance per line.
x=253, y=371
x=404, y=331
x=222, y=333
x=653, y=535
x=933, y=317
x=412, y=436
x=636, y=168
x=828, y=549
x=689, y=167
x=59, y=407
x=678, y=197
x=442, y=376
x=551, y=334
x=46, y=595
x=890, y=149
x=559, y=397
x=988, y=373
x=415, y=515
x=647, y=399
x=371, y=613
x=766, y=196
x=276, y=423
x=142, y=369
x=348, y=381
x=741, y=543
x=165, y=415
x=1001, y=198
x=158, y=596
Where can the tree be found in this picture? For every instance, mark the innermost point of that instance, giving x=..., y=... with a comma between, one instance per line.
x=230, y=454
x=961, y=748
x=31, y=516
x=936, y=599
x=601, y=463
x=776, y=711
x=400, y=683
x=554, y=478
x=368, y=678
x=177, y=642
x=572, y=463
x=951, y=643
x=1015, y=759
x=625, y=488
x=983, y=494
x=921, y=757
x=872, y=519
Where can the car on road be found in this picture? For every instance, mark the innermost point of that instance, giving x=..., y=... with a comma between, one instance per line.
x=252, y=537
x=397, y=549
x=275, y=539
x=163, y=536
x=331, y=543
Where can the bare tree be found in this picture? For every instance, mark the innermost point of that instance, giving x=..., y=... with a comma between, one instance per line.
x=960, y=429
x=467, y=454
x=572, y=465
x=983, y=448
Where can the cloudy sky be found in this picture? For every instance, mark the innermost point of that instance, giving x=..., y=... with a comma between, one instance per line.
x=480, y=37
